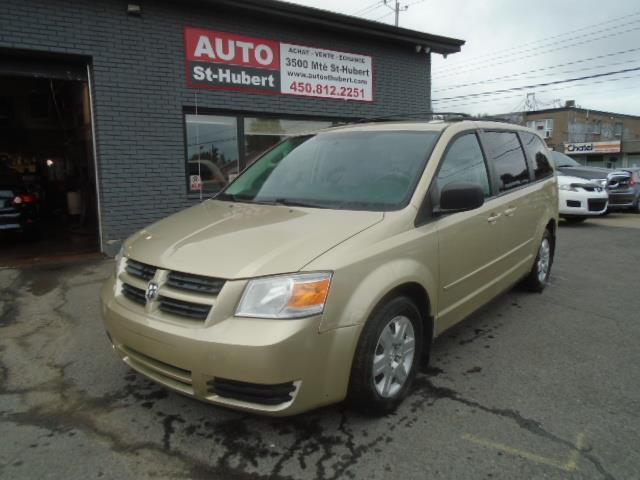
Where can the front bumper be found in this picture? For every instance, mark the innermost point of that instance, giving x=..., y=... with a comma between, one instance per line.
x=267, y=358
x=14, y=220
x=582, y=203
x=624, y=199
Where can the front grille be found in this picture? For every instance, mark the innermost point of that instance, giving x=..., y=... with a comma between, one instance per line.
x=595, y=205
x=573, y=203
x=140, y=270
x=195, y=283
x=252, y=392
x=181, y=308
x=134, y=294
x=618, y=182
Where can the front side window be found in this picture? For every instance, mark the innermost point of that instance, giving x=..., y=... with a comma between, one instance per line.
x=212, y=151
x=342, y=170
x=538, y=153
x=464, y=162
x=508, y=159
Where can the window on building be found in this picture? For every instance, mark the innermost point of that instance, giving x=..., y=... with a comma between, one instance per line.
x=212, y=151
x=544, y=126
x=618, y=128
x=219, y=146
x=261, y=133
x=537, y=153
x=597, y=127
x=464, y=162
x=508, y=159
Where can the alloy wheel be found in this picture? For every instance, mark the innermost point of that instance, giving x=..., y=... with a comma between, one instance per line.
x=544, y=259
x=393, y=357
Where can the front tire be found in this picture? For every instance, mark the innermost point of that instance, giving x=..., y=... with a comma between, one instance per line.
x=538, y=277
x=387, y=357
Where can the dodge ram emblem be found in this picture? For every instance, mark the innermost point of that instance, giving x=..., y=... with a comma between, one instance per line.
x=152, y=290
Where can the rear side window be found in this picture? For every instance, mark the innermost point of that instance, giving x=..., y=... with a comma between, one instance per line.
x=537, y=152
x=464, y=162
x=508, y=159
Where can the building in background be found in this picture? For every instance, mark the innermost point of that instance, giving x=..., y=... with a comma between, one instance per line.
x=131, y=111
x=591, y=137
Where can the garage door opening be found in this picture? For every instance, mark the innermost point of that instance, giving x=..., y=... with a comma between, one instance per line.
x=48, y=203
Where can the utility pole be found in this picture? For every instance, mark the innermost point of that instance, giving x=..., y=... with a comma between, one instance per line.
x=397, y=9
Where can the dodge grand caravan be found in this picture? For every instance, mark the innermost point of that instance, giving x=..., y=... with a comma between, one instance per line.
x=326, y=269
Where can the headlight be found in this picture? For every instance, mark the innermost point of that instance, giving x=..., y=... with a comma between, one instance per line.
x=119, y=260
x=285, y=296
x=568, y=187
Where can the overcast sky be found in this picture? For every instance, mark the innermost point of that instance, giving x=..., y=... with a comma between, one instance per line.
x=531, y=42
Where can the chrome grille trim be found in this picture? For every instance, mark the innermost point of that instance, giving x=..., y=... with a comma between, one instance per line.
x=195, y=283
x=134, y=294
x=140, y=270
x=182, y=308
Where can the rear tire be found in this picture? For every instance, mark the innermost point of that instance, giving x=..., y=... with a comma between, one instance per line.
x=387, y=357
x=538, y=277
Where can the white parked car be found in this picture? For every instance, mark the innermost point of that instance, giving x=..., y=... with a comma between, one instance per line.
x=580, y=198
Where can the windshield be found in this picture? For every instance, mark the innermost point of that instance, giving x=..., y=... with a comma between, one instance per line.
x=350, y=170
x=562, y=160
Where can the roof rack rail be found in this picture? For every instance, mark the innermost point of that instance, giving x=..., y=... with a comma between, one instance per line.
x=491, y=118
x=429, y=115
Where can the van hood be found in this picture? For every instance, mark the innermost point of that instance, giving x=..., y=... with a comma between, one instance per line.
x=240, y=240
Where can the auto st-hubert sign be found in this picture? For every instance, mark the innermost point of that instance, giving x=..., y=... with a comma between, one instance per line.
x=226, y=61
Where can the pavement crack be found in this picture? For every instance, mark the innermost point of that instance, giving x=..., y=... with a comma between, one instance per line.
x=532, y=426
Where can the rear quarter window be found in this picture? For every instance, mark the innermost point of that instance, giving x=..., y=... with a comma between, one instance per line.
x=508, y=159
x=538, y=155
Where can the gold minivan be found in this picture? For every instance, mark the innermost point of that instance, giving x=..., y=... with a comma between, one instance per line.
x=326, y=269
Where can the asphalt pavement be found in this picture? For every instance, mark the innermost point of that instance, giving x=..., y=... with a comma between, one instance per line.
x=533, y=386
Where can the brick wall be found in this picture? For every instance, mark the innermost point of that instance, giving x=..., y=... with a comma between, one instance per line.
x=139, y=89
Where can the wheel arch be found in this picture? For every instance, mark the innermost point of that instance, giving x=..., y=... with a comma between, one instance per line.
x=419, y=295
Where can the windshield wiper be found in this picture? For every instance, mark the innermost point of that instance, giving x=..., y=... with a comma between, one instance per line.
x=231, y=197
x=295, y=203
x=225, y=196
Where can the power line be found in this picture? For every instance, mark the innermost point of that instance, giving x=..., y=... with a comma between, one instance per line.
x=527, y=87
x=452, y=71
x=565, y=64
x=383, y=16
x=363, y=10
x=459, y=103
x=537, y=54
x=492, y=55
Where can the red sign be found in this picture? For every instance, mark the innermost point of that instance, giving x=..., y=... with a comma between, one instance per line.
x=221, y=47
x=221, y=60
x=195, y=183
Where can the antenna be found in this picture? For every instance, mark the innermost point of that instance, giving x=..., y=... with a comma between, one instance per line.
x=195, y=95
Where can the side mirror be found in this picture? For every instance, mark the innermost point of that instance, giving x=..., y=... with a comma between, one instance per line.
x=460, y=197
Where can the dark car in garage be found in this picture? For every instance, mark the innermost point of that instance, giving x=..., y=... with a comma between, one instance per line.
x=18, y=207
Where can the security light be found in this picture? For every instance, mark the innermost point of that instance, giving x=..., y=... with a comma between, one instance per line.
x=134, y=9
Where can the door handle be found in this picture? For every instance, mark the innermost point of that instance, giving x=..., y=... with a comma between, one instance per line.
x=494, y=217
x=509, y=211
